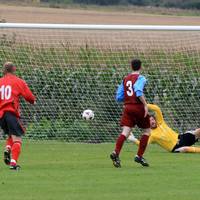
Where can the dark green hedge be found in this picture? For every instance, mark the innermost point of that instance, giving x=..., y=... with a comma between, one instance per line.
x=67, y=81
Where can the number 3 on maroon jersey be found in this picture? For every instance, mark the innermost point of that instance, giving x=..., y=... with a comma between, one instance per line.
x=129, y=91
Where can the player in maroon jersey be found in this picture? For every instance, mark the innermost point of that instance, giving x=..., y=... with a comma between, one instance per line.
x=135, y=112
x=11, y=89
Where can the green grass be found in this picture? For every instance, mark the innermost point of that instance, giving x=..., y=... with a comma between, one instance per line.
x=64, y=171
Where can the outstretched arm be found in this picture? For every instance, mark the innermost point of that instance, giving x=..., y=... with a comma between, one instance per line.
x=158, y=112
x=133, y=139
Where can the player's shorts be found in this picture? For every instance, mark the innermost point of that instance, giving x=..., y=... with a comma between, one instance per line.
x=134, y=115
x=11, y=125
x=186, y=139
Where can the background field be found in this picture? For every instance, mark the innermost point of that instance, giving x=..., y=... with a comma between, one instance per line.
x=83, y=171
x=105, y=16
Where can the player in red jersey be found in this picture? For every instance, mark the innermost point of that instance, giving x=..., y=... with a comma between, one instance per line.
x=11, y=89
x=135, y=112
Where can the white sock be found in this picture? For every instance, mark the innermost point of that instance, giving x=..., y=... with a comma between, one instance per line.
x=132, y=138
x=8, y=147
x=13, y=161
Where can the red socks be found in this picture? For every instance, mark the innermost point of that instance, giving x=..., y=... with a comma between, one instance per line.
x=143, y=144
x=119, y=143
x=9, y=143
x=15, y=151
x=15, y=148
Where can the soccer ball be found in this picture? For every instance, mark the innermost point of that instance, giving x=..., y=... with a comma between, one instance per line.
x=88, y=114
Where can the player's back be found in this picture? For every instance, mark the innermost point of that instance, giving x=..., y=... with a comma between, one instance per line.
x=10, y=90
x=129, y=94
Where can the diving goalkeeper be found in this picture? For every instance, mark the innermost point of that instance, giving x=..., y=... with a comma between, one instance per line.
x=168, y=139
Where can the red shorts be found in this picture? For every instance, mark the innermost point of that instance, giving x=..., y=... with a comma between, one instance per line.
x=134, y=115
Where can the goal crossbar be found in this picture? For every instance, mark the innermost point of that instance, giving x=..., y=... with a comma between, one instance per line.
x=99, y=27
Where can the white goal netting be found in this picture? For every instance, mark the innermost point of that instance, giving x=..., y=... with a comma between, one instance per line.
x=72, y=70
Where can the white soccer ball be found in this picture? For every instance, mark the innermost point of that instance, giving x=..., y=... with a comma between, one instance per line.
x=88, y=114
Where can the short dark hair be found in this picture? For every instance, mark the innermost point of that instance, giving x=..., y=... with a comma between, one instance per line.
x=136, y=64
x=8, y=67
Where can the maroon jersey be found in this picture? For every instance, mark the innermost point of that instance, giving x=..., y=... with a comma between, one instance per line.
x=11, y=88
x=133, y=111
x=129, y=94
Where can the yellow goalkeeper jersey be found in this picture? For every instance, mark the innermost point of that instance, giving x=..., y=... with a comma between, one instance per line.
x=163, y=135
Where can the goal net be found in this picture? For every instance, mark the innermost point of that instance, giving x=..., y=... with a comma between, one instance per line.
x=73, y=68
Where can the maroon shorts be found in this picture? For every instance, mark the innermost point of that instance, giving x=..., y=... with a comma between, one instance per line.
x=134, y=115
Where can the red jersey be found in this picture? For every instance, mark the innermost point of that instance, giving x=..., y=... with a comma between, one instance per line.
x=129, y=94
x=11, y=88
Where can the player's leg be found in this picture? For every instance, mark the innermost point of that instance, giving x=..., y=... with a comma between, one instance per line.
x=142, y=147
x=197, y=133
x=145, y=124
x=143, y=142
x=186, y=140
x=15, y=151
x=187, y=149
x=122, y=137
x=119, y=144
x=7, y=150
x=127, y=122
x=9, y=143
x=16, y=131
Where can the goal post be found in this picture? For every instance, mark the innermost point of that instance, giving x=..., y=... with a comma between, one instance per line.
x=73, y=67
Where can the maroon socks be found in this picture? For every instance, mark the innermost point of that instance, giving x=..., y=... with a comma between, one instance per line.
x=143, y=144
x=119, y=144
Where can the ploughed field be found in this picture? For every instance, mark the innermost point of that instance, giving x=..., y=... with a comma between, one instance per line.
x=81, y=16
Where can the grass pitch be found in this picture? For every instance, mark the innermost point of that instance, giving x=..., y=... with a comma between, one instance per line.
x=64, y=171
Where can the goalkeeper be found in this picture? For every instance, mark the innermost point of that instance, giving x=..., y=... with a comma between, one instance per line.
x=168, y=139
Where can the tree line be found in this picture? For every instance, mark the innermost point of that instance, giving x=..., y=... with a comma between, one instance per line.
x=185, y=4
